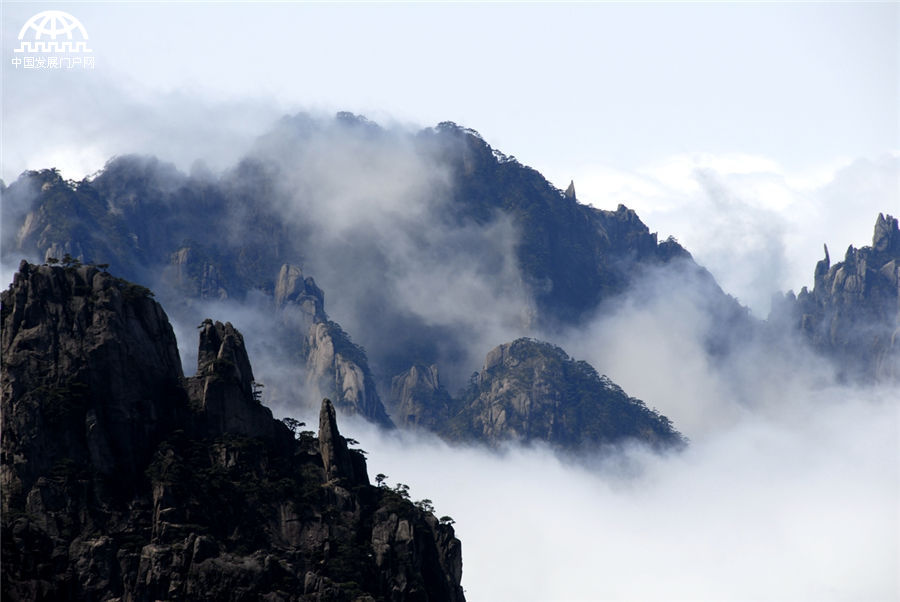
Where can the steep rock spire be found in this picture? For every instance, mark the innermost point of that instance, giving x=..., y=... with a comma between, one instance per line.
x=338, y=460
x=224, y=387
x=293, y=288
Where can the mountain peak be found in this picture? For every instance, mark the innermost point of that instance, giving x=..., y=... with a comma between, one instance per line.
x=886, y=238
x=853, y=312
x=339, y=461
x=532, y=390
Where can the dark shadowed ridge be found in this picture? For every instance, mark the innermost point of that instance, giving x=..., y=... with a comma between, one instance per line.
x=122, y=478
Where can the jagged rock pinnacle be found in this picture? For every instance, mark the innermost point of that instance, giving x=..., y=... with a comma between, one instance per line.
x=886, y=238
x=851, y=315
x=570, y=191
x=222, y=351
x=223, y=386
x=338, y=461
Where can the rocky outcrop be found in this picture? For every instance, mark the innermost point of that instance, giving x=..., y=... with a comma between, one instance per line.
x=852, y=315
x=299, y=293
x=532, y=391
x=886, y=238
x=199, y=238
x=340, y=464
x=571, y=256
x=91, y=377
x=123, y=480
x=418, y=398
x=223, y=389
x=337, y=368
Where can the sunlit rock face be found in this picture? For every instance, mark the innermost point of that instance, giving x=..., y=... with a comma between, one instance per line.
x=418, y=399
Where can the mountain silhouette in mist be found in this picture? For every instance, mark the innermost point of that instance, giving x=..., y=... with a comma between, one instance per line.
x=852, y=315
x=432, y=246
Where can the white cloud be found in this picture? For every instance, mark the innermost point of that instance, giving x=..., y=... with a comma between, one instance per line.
x=789, y=489
x=80, y=130
x=760, y=510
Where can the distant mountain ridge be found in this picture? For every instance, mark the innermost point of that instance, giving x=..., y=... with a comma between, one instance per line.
x=852, y=315
x=543, y=261
x=199, y=238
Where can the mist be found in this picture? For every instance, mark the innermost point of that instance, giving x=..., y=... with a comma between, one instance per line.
x=104, y=117
x=752, y=155
x=767, y=508
x=399, y=275
x=789, y=488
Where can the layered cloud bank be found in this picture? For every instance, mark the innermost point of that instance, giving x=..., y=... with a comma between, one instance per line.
x=795, y=506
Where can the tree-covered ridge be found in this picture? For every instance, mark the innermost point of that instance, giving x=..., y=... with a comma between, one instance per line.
x=533, y=391
x=141, y=216
x=571, y=255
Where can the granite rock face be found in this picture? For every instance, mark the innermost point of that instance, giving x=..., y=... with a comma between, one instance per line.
x=91, y=376
x=293, y=289
x=852, y=315
x=532, y=391
x=223, y=388
x=335, y=367
x=419, y=399
x=337, y=460
x=193, y=274
x=122, y=480
x=156, y=225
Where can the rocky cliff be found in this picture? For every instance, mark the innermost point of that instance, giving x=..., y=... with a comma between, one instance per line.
x=122, y=480
x=533, y=391
x=419, y=399
x=335, y=366
x=852, y=315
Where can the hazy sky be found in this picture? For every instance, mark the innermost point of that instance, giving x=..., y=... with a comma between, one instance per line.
x=677, y=110
x=559, y=86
